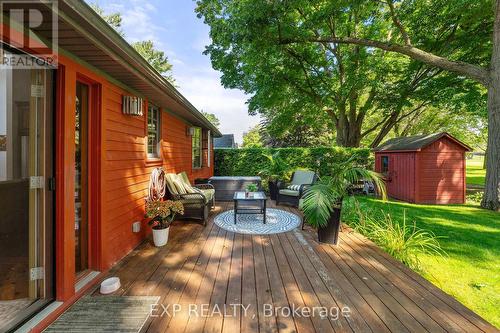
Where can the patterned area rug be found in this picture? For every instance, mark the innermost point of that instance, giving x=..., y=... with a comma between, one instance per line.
x=105, y=314
x=278, y=221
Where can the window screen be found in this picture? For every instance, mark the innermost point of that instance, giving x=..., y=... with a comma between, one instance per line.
x=196, y=146
x=153, y=131
x=385, y=164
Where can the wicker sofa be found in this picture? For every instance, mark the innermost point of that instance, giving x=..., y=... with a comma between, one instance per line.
x=197, y=199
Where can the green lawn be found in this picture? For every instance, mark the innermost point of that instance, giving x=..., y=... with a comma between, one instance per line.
x=475, y=171
x=471, y=238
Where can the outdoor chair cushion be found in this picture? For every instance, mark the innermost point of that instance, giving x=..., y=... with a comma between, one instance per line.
x=294, y=187
x=175, y=184
x=184, y=177
x=194, y=203
x=290, y=193
x=209, y=193
x=303, y=177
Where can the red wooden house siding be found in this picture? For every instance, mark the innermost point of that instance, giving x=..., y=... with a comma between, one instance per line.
x=434, y=174
x=127, y=169
x=124, y=173
x=118, y=167
x=122, y=176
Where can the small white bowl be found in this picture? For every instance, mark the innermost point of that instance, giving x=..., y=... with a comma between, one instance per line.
x=110, y=285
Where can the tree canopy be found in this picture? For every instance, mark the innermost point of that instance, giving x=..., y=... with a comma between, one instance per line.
x=212, y=118
x=358, y=92
x=355, y=60
x=156, y=58
x=113, y=19
x=252, y=138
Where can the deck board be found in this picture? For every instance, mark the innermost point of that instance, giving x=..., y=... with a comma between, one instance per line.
x=208, y=265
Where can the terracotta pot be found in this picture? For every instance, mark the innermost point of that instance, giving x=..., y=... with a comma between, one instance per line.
x=330, y=233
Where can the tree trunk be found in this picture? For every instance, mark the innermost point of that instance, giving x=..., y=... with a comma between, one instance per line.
x=348, y=135
x=386, y=128
x=491, y=199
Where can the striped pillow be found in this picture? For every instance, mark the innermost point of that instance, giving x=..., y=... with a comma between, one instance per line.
x=179, y=185
x=294, y=187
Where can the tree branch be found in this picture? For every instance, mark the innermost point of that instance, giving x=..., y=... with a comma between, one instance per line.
x=474, y=72
x=398, y=23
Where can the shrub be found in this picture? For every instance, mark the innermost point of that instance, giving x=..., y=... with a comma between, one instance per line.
x=475, y=197
x=251, y=161
x=401, y=240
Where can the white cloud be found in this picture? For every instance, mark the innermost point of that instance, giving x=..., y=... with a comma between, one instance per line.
x=137, y=21
x=207, y=94
x=138, y=25
x=192, y=71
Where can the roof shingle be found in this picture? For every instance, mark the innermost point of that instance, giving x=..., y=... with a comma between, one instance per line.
x=416, y=142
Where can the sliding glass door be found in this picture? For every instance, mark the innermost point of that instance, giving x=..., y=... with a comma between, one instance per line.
x=81, y=177
x=26, y=192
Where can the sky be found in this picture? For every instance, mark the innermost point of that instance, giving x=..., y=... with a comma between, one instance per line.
x=174, y=28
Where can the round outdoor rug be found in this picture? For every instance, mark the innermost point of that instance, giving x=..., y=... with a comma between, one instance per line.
x=277, y=221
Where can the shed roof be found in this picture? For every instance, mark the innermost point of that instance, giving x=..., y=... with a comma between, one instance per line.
x=416, y=142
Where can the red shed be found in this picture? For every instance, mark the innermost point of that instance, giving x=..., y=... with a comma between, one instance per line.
x=428, y=169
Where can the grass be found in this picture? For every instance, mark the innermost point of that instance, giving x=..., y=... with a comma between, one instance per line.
x=470, y=236
x=475, y=171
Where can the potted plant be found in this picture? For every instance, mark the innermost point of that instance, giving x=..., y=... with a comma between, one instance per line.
x=162, y=214
x=322, y=202
x=250, y=189
x=275, y=170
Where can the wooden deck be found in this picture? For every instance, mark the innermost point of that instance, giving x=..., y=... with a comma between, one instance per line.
x=210, y=268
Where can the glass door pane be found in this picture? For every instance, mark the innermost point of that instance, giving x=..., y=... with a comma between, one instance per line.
x=81, y=140
x=25, y=200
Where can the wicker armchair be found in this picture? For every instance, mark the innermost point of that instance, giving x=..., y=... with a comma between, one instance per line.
x=197, y=200
x=291, y=192
x=207, y=189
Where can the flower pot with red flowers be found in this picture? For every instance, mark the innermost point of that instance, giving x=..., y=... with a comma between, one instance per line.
x=162, y=214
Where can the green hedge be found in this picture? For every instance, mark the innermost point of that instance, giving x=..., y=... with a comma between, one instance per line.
x=249, y=161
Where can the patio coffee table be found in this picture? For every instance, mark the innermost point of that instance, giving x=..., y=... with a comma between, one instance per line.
x=254, y=203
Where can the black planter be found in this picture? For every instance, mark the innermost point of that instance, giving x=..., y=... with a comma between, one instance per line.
x=330, y=233
x=273, y=189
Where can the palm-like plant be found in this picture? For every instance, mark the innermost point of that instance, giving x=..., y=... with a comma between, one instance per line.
x=276, y=168
x=327, y=194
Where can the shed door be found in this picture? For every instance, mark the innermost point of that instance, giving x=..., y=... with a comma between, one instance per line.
x=387, y=167
x=401, y=173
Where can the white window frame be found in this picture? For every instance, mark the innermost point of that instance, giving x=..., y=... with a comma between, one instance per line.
x=209, y=145
x=200, y=146
x=156, y=154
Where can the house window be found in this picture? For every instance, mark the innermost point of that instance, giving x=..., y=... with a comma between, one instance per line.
x=209, y=146
x=385, y=164
x=196, y=146
x=154, y=125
